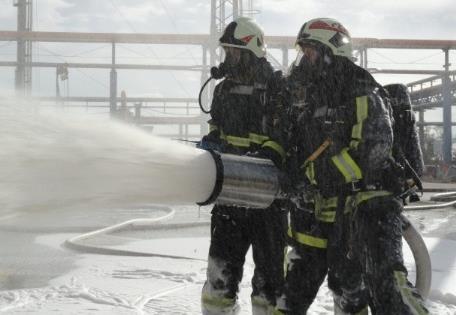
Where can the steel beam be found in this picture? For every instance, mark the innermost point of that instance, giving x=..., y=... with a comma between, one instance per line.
x=434, y=123
x=405, y=71
x=118, y=66
x=202, y=39
x=430, y=105
x=104, y=99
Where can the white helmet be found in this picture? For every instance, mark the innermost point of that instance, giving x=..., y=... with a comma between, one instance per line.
x=328, y=32
x=244, y=33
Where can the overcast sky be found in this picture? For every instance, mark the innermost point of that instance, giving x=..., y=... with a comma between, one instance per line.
x=418, y=19
x=364, y=18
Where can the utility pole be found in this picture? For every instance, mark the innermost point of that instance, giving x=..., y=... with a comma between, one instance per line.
x=447, y=100
x=24, y=48
x=113, y=82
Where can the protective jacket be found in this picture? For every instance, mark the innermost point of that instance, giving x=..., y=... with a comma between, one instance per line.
x=242, y=113
x=241, y=118
x=347, y=226
x=344, y=122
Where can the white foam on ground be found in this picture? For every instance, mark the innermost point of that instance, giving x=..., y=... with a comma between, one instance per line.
x=137, y=285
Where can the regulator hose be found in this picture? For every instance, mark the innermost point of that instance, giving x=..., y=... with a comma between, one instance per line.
x=216, y=73
x=199, y=97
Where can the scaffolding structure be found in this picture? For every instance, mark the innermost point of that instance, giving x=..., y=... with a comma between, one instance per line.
x=24, y=47
x=436, y=91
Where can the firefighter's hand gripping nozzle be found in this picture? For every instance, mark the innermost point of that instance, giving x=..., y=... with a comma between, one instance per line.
x=243, y=181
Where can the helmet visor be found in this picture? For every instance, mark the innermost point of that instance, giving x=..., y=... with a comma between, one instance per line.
x=232, y=55
x=307, y=51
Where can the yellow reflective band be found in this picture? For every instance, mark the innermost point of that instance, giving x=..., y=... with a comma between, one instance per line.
x=325, y=203
x=238, y=141
x=276, y=147
x=263, y=306
x=258, y=139
x=253, y=138
x=407, y=295
x=244, y=142
x=347, y=166
x=364, y=311
x=326, y=216
x=355, y=200
x=308, y=240
x=261, y=302
x=219, y=302
x=277, y=312
x=361, y=115
x=310, y=172
x=325, y=208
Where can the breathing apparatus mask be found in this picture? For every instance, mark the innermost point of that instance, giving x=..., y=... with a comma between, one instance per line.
x=311, y=63
x=236, y=64
x=243, y=41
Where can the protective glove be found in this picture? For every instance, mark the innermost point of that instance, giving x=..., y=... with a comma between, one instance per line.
x=210, y=143
x=414, y=197
x=286, y=185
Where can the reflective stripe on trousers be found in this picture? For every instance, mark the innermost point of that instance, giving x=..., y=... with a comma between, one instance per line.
x=215, y=305
x=407, y=294
x=307, y=239
x=260, y=306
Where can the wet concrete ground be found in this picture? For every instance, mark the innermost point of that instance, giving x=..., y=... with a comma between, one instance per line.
x=27, y=264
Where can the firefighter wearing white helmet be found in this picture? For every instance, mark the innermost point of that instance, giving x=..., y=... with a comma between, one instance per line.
x=328, y=32
x=244, y=33
x=346, y=224
x=242, y=112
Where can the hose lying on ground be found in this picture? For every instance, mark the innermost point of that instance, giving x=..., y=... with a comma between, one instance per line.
x=421, y=256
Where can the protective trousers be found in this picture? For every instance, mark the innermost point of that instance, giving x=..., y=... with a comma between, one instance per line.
x=233, y=230
x=377, y=231
x=361, y=254
x=308, y=264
